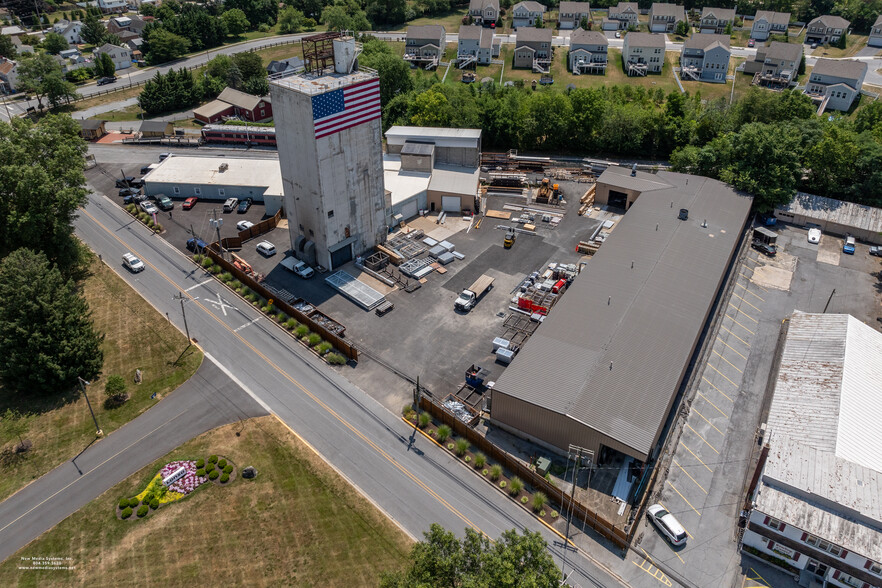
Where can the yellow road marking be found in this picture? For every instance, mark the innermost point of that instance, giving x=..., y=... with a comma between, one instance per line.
x=742, y=312
x=759, y=578
x=734, y=335
x=285, y=375
x=748, y=291
x=695, y=410
x=744, y=300
x=724, y=375
x=669, y=483
x=730, y=347
x=740, y=325
x=657, y=574
x=717, y=389
x=695, y=456
x=703, y=439
x=712, y=404
x=729, y=362
x=750, y=259
x=677, y=463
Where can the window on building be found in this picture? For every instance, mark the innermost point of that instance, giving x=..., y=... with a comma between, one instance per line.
x=197, y=191
x=176, y=190
x=330, y=214
x=221, y=192
x=849, y=580
x=876, y=568
x=776, y=524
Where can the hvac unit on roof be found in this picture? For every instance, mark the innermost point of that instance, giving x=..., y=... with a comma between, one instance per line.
x=223, y=167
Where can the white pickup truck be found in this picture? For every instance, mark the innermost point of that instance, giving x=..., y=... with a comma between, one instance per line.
x=469, y=297
x=292, y=264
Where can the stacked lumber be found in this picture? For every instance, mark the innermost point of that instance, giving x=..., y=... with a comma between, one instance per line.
x=587, y=247
x=395, y=257
x=587, y=199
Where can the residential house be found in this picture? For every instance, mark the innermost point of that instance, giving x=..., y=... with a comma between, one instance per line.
x=570, y=14
x=525, y=14
x=111, y=6
x=156, y=129
x=475, y=46
x=8, y=76
x=643, y=53
x=121, y=56
x=775, y=66
x=291, y=65
x=705, y=58
x=621, y=16
x=663, y=17
x=235, y=104
x=767, y=23
x=836, y=82
x=70, y=30
x=425, y=45
x=588, y=52
x=715, y=20
x=133, y=23
x=92, y=129
x=875, y=38
x=826, y=29
x=814, y=505
x=21, y=47
x=484, y=12
x=69, y=53
x=533, y=49
x=12, y=31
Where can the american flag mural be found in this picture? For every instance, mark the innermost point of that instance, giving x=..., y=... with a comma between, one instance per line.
x=336, y=111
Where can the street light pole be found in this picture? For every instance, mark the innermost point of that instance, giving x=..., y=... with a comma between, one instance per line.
x=83, y=384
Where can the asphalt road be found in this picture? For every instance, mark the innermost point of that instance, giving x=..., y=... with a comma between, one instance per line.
x=207, y=400
x=404, y=474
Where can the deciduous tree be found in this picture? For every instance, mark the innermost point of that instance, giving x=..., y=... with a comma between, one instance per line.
x=235, y=21
x=165, y=46
x=54, y=43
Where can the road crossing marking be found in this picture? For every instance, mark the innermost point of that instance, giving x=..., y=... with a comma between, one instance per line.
x=199, y=284
x=237, y=329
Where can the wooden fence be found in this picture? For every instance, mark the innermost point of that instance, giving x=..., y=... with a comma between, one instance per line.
x=606, y=529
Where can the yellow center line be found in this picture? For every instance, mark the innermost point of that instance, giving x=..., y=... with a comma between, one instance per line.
x=742, y=312
x=740, y=325
x=285, y=375
x=683, y=497
x=734, y=335
x=724, y=375
x=744, y=300
x=695, y=456
x=748, y=291
x=681, y=524
x=729, y=362
x=712, y=404
x=703, y=439
x=730, y=347
x=695, y=410
x=676, y=463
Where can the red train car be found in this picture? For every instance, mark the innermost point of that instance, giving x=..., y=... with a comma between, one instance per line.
x=241, y=135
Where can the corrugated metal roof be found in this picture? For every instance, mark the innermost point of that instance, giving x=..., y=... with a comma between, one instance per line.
x=847, y=214
x=642, y=321
x=202, y=171
x=824, y=472
x=455, y=180
x=441, y=137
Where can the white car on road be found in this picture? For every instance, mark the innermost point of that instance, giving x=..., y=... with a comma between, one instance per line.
x=667, y=524
x=814, y=235
x=132, y=262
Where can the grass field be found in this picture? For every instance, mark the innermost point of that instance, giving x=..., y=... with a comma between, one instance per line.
x=136, y=336
x=297, y=524
x=853, y=44
x=451, y=21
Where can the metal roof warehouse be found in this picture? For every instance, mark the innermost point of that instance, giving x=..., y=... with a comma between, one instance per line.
x=604, y=368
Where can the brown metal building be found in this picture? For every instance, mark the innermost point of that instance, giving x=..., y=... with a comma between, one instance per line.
x=604, y=368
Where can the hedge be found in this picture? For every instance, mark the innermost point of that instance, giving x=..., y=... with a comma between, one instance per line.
x=126, y=513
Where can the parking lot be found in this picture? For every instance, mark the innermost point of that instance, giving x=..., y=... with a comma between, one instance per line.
x=711, y=451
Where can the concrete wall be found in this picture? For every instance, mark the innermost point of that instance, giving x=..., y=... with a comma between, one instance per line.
x=602, y=194
x=210, y=192
x=434, y=197
x=422, y=163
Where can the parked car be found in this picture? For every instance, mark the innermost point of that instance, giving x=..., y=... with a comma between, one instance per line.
x=849, y=245
x=145, y=169
x=137, y=183
x=164, y=202
x=125, y=182
x=244, y=225
x=751, y=43
x=244, y=205
x=292, y=264
x=766, y=248
x=132, y=262
x=814, y=235
x=194, y=244
x=149, y=207
x=135, y=198
x=667, y=524
x=163, y=156
x=106, y=80
x=123, y=192
x=189, y=202
x=876, y=250
x=230, y=204
x=266, y=248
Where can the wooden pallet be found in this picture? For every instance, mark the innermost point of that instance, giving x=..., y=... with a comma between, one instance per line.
x=498, y=214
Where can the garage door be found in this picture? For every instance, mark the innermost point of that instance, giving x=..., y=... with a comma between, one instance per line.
x=450, y=203
x=341, y=256
x=618, y=199
x=409, y=210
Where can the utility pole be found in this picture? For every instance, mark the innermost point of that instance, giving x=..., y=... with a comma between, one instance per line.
x=578, y=451
x=217, y=223
x=182, y=298
x=829, y=299
x=83, y=384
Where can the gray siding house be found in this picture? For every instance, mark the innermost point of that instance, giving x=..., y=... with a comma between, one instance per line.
x=663, y=17
x=875, y=39
x=835, y=83
x=533, y=49
x=484, y=12
x=588, y=52
x=570, y=14
x=643, y=53
x=826, y=29
x=705, y=58
x=475, y=46
x=715, y=20
x=425, y=45
x=621, y=16
x=767, y=23
x=525, y=14
x=775, y=66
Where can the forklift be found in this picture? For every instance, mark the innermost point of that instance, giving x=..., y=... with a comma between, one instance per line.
x=509, y=238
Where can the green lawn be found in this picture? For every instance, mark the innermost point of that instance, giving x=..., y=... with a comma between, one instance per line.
x=297, y=524
x=136, y=336
x=853, y=44
x=451, y=21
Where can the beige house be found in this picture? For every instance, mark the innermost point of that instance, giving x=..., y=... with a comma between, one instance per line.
x=588, y=52
x=92, y=129
x=643, y=53
x=621, y=16
x=533, y=49
x=570, y=14
x=663, y=17
x=715, y=20
x=826, y=29
x=484, y=12
x=767, y=23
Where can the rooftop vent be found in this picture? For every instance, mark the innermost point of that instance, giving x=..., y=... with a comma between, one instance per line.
x=223, y=167
x=634, y=170
x=684, y=214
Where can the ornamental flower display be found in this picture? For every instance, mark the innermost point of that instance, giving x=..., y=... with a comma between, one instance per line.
x=186, y=484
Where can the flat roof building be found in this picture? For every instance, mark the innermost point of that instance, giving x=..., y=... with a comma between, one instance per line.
x=604, y=368
x=833, y=216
